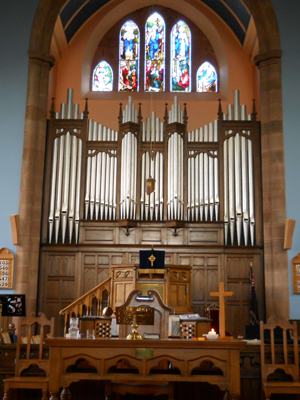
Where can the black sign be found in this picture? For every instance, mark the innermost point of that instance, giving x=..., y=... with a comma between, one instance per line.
x=13, y=305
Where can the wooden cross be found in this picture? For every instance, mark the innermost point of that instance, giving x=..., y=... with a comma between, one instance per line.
x=221, y=294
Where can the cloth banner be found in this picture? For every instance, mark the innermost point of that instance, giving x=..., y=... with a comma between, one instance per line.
x=152, y=261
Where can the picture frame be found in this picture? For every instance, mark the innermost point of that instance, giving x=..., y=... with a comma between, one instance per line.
x=5, y=338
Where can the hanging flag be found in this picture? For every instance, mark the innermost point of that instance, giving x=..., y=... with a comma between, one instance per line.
x=254, y=318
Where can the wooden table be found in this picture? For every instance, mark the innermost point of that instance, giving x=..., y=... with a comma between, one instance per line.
x=219, y=361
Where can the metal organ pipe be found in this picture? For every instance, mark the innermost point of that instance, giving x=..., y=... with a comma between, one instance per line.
x=203, y=196
x=64, y=206
x=238, y=181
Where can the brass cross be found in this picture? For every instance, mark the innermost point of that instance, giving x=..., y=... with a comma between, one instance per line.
x=152, y=259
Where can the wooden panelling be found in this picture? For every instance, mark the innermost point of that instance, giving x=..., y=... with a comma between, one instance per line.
x=151, y=236
x=104, y=235
x=204, y=236
x=61, y=265
x=68, y=277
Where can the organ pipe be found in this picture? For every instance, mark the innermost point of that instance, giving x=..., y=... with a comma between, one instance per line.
x=202, y=169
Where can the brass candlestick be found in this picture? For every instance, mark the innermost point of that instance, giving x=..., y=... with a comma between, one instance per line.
x=134, y=335
x=135, y=316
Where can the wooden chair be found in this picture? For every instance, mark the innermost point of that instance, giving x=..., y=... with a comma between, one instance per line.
x=288, y=381
x=24, y=374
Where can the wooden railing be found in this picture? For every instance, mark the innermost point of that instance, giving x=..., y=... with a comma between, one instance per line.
x=91, y=303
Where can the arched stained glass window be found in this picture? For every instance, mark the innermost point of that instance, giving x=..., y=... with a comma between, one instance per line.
x=102, y=77
x=180, y=73
x=129, y=57
x=207, y=78
x=155, y=54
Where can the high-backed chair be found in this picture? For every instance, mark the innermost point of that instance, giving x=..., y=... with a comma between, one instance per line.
x=280, y=374
x=34, y=362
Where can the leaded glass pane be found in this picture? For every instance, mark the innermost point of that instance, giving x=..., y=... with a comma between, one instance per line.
x=155, y=54
x=180, y=58
x=207, y=79
x=102, y=77
x=129, y=56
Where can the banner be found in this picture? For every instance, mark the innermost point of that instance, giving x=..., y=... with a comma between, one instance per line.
x=152, y=261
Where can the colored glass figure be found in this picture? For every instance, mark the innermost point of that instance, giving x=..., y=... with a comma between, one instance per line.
x=180, y=58
x=207, y=78
x=129, y=57
x=155, y=54
x=102, y=77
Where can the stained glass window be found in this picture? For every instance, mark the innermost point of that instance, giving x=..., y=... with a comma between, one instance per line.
x=102, y=77
x=207, y=79
x=155, y=54
x=129, y=56
x=180, y=58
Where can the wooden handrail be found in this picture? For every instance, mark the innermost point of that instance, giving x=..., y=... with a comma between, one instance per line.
x=77, y=307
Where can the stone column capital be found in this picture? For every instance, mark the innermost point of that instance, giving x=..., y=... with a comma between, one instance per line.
x=41, y=59
x=267, y=58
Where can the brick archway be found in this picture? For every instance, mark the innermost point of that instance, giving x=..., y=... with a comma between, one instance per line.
x=274, y=208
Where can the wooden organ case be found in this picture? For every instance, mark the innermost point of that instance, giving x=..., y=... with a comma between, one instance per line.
x=205, y=211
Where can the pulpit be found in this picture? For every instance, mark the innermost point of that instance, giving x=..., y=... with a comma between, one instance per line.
x=173, y=284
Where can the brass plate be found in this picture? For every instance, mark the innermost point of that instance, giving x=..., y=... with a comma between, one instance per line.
x=144, y=287
x=143, y=353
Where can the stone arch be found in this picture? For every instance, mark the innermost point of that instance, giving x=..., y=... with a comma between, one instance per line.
x=274, y=208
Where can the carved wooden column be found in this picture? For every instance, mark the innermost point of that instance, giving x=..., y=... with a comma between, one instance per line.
x=273, y=183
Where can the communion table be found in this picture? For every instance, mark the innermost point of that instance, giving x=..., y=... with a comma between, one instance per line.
x=142, y=361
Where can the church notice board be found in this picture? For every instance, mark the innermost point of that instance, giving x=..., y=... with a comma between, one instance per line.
x=6, y=269
x=296, y=274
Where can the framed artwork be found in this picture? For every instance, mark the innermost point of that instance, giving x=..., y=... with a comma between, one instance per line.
x=5, y=337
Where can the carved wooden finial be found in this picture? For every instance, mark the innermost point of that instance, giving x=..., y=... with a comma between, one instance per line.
x=166, y=117
x=52, y=111
x=220, y=112
x=254, y=113
x=86, y=110
x=185, y=117
x=140, y=118
x=120, y=118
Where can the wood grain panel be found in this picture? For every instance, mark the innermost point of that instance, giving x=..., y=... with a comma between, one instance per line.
x=67, y=289
x=89, y=259
x=204, y=236
x=102, y=275
x=61, y=265
x=104, y=235
x=151, y=236
x=198, y=284
x=53, y=289
x=89, y=279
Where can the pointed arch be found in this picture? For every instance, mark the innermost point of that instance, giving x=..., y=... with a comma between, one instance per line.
x=181, y=58
x=102, y=79
x=155, y=53
x=129, y=57
x=207, y=78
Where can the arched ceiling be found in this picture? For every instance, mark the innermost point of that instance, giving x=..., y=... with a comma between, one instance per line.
x=234, y=13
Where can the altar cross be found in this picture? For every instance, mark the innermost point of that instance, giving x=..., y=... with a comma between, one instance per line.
x=221, y=294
